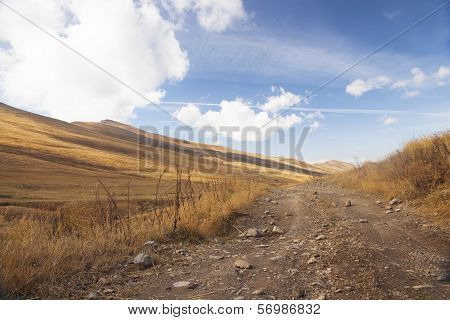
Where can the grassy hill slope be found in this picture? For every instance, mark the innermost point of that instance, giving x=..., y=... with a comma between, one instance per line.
x=43, y=159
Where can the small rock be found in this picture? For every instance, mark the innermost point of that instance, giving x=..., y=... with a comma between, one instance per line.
x=278, y=230
x=272, y=223
x=327, y=271
x=185, y=284
x=258, y=292
x=315, y=192
x=213, y=257
x=395, y=201
x=388, y=211
x=442, y=277
x=293, y=271
x=363, y=221
x=102, y=281
x=239, y=298
x=143, y=260
x=379, y=202
x=312, y=260
x=242, y=264
x=297, y=293
x=92, y=295
x=320, y=237
x=397, y=210
x=267, y=212
x=422, y=286
x=274, y=202
x=348, y=203
x=276, y=258
x=321, y=296
x=252, y=232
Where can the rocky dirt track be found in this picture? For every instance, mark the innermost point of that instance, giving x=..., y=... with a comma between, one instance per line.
x=319, y=249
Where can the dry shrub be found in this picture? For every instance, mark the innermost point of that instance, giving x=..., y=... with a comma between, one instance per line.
x=43, y=253
x=419, y=172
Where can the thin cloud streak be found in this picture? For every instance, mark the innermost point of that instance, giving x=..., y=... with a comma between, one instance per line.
x=323, y=110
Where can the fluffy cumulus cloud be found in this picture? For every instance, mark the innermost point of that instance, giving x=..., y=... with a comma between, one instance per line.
x=358, y=87
x=418, y=79
x=238, y=119
x=130, y=39
x=388, y=120
x=410, y=87
x=284, y=100
x=442, y=75
x=212, y=15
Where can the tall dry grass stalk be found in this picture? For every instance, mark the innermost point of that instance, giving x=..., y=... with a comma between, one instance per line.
x=420, y=172
x=42, y=251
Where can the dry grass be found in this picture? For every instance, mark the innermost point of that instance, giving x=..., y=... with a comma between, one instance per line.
x=419, y=172
x=43, y=159
x=43, y=250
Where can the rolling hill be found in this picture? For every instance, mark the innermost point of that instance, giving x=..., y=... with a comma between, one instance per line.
x=44, y=159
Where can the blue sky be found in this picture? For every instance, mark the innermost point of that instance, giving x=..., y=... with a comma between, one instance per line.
x=272, y=48
x=265, y=49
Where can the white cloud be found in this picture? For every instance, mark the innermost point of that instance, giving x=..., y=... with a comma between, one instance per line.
x=177, y=7
x=218, y=15
x=410, y=87
x=315, y=125
x=443, y=72
x=212, y=15
x=421, y=80
x=442, y=75
x=389, y=120
x=236, y=114
x=315, y=115
x=284, y=100
x=240, y=114
x=358, y=87
x=411, y=94
x=132, y=41
x=418, y=78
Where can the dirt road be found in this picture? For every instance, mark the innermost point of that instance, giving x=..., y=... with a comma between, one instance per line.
x=327, y=251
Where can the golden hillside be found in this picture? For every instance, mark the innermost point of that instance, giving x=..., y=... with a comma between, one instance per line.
x=46, y=159
x=419, y=172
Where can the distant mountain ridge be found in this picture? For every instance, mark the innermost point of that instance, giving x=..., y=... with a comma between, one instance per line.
x=41, y=157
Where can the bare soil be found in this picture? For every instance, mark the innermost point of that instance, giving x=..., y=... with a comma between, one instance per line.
x=395, y=255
